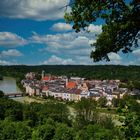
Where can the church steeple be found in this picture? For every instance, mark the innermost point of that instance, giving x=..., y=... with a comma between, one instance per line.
x=43, y=73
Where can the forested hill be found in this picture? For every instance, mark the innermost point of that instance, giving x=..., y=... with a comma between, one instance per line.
x=94, y=72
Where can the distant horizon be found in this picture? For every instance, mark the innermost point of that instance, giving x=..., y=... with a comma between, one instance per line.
x=71, y=65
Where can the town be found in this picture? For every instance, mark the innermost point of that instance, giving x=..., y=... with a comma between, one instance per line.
x=71, y=88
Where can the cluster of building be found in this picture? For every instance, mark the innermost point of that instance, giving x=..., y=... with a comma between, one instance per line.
x=73, y=88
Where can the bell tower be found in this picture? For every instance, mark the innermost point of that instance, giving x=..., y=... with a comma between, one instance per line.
x=43, y=73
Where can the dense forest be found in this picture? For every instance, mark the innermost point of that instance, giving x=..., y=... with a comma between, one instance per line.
x=53, y=120
x=94, y=72
x=127, y=74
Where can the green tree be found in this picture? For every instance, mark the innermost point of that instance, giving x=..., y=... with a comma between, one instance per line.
x=57, y=111
x=85, y=110
x=131, y=120
x=45, y=131
x=102, y=101
x=136, y=85
x=115, y=102
x=30, y=113
x=131, y=126
x=63, y=132
x=121, y=24
x=1, y=94
x=10, y=108
x=14, y=130
x=97, y=132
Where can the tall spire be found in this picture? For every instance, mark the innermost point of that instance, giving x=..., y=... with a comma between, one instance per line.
x=43, y=73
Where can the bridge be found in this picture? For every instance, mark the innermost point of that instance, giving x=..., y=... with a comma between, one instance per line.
x=13, y=95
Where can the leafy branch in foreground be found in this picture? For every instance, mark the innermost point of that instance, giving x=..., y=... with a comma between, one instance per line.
x=121, y=28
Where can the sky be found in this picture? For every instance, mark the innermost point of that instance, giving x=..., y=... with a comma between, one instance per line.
x=34, y=32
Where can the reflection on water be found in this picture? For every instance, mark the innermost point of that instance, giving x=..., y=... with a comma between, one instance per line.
x=8, y=85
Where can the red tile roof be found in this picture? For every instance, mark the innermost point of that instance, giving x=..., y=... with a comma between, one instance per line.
x=71, y=85
x=46, y=78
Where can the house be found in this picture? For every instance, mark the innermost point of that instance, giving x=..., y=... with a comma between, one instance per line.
x=45, y=91
x=96, y=93
x=74, y=94
x=84, y=87
x=95, y=96
x=85, y=90
x=112, y=87
x=37, y=91
x=85, y=94
x=30, y=75
x=66, y=96
x=30, y=90
x=57, y=94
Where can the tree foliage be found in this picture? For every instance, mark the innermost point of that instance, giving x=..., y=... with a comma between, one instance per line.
x=124, y=73
x=63, y=132
x=51, y=121
x=121, y=24
x=1, y=94
x=10, y=130
x=102, y=101
x=85, y=109
x=45, y=131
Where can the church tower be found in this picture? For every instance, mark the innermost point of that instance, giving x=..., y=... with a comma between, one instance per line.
x=43, y=74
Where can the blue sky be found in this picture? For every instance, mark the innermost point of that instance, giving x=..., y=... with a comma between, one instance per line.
x=33, y=32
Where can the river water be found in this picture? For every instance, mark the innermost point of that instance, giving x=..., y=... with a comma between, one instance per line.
x=8, y=85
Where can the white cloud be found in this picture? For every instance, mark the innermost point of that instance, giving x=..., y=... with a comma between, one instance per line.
x=33, y=9
x=80, y=52
x=114, y=58
x=83, y=60
x=61, y=27
x=8, y=39
x=95, y=28
x=77, y=60
x=54, y=60
x=66, y=43
x=3, y=62
x=74, y=46
x=136, y=52
x=11, y=53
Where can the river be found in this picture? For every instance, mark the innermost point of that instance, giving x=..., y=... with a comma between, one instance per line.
x=8, y=85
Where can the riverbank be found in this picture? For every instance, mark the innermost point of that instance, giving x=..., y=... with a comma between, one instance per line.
x=8, y=85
